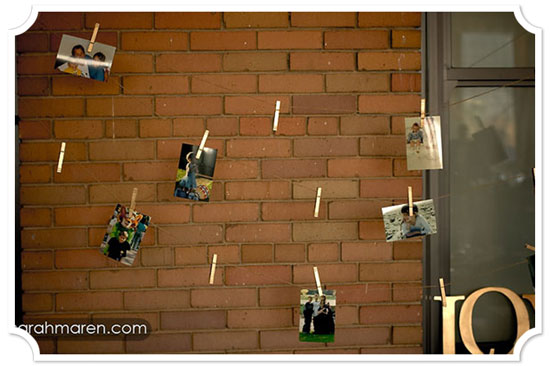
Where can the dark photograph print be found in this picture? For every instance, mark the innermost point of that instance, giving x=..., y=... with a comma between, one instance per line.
x=423, y=143
x=317, y=315
x=194, y=177
x=400, y=225
x=73, y=58
x=124, y=234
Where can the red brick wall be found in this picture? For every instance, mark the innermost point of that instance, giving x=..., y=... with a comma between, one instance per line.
x=345, y=81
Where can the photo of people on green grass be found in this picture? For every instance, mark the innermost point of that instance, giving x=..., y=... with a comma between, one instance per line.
x=317, y=314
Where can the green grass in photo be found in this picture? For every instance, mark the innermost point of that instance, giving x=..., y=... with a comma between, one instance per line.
x=322, y=338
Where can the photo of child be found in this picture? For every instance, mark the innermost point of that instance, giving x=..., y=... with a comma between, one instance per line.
x=399, y=224
x=423, y=143
x=72, y=58
x=194, y=177
x=317, y=315
x=124, y=234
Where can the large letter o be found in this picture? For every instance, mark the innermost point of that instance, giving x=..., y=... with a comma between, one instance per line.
x=465, y=322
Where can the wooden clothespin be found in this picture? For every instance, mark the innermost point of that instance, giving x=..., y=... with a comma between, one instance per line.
x=318, y=281
x=201, y=146
x=133, y=202
x=61, y=156
x=213, y=269
x=276, y=117
x=530, y=247
x=443, y=295
x=410, y=199
x=492, y=351
x=94, y=35
x=317, y=202
x=422, y=112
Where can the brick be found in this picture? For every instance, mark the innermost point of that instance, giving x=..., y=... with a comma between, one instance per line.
x=50, y=107
x=225, y=341
x=364, y=125
x=119, y=106
x=120, y=20
x=322, y=61
x=271, y=190
x=324, y=19
x=405, y=39
x=52, y=195
x=89, y=345
x=196, y=234
x=257, y=275
x=407, y=250
x=407, y=335
x=390, y=272
x=36, y=260
x=357, y=209
x=222, y=298
x=35, y=217
x=255, y=104
x=259, y=318
x=283, y=339
x=105, y=37
x=234, y=40
x=260, y=233
x=389, y=103
x=37, y=302
x=172, y=106
x=347, y=315
x=132, y=63
x=54, y=281
x=78, y=129
x=57, y=21
x=69, y=85
x=332, y=273
x=82, y=258
x=122, y=150
x=372, y=230
x=226, y=253
x=341, y=146
x=324, y=104
x=185, y=320
x=361, y=82
x=363, y=293
x=235, y=169
x=146, y=171
x=331, y=189
x=187, y=277
x=226, y=212
x=327, y=252
x=157, y=299
x=322, y=126
x=324, y=231
x=362, y=336
x=97, y=300
x=291, y=83
x=54, y=238
x=123, y=279
x=34, y=173
x=258, y=148
x=171, y=149
x=289, y=253
x=390, y=188
x=167, y=213
x=358, y=252
x=191, y=255
x=328, y=351
x=82, y=216
x=393, y=350
x=121, y=128
x=35, y=129
x=223, y=126
x=382, y=146
x=292, y=211
x=291, y=126
x=279, y=296
x=33, y=86
x=257, y=253
x=271, y=40
x=187, y=20
x=388, y=61
x=398, y=125
x=49, y=151
x=226, y=84
x=357, y=39
x=257, y=61
x=400, y=169
x=31, y=42
x=389, y=19
x=199, y=62
x=154, y=41
x=255, y=20
x=293, y=168
x=390, y=314
x=35, y=64
x=160, y=343
x=158, y=84
x=155, y=127
x=188, y=126
x=406, y=82
x=407, y=292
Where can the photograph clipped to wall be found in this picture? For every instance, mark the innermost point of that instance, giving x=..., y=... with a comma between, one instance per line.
x=124, y=234
x=423, y=143
x=317, y=315
x=400, y=225
x=73, y=58
x=194, y=177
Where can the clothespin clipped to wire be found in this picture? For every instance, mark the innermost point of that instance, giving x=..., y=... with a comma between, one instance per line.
x=213, y=269
x=317, y=202
x=318, y=281
x=443, y=295
x=133, y=202
x=410, y=200
x=94, y=35
x=422, y=112
x=201, y=146
x=530, y=247
x=61, y=156
x=276, y=117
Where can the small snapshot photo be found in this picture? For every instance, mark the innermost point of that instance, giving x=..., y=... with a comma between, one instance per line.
x=194, y=176
x=73, y=58
x=400, y=224
x=317, y=315
x=124, y=235
x=423, y=143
